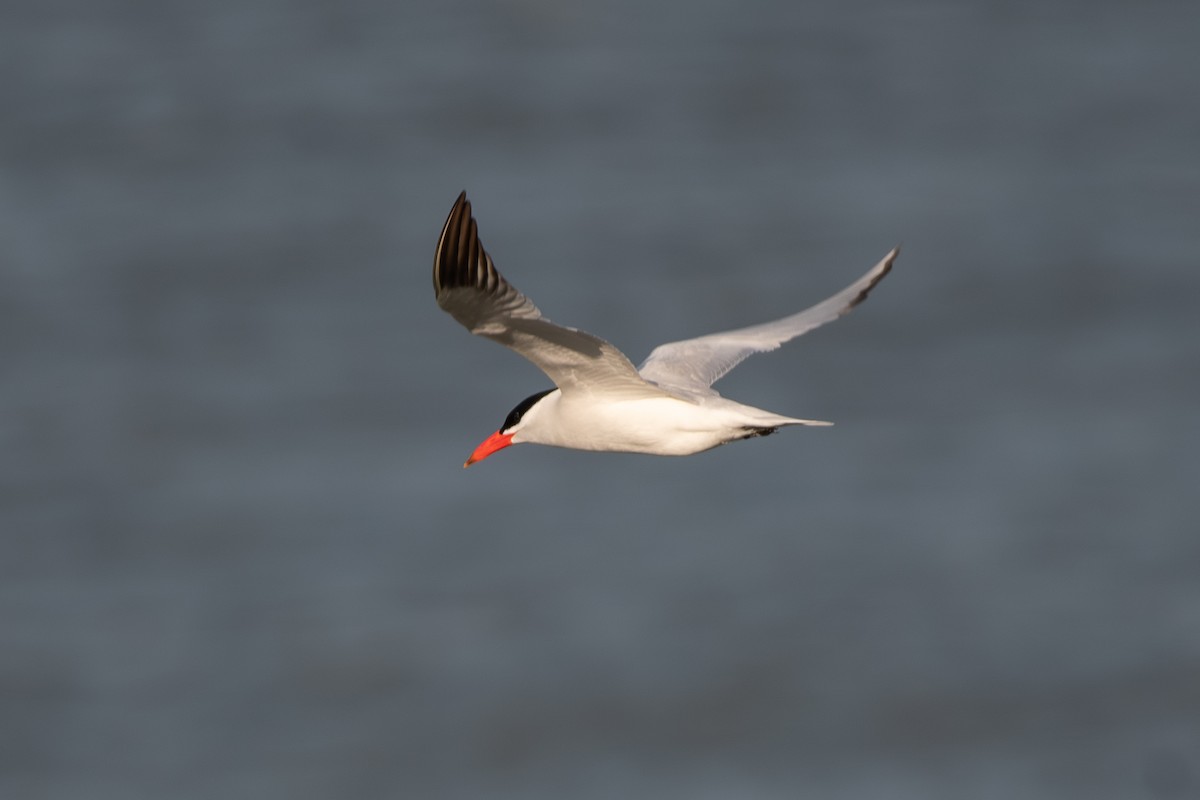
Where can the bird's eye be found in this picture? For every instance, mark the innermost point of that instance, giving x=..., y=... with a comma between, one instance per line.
x=515, y=415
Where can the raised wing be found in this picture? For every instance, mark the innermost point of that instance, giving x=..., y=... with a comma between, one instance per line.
x=694, y=365
x=469, y=287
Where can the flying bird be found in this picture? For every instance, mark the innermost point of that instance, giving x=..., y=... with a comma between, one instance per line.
x=667, y=406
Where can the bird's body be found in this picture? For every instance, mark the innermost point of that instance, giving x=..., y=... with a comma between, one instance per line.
x=601, y=402
x=665, y=426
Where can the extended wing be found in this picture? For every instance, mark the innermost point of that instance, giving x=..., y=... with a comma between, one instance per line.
x=694, y=365
x=469, y=287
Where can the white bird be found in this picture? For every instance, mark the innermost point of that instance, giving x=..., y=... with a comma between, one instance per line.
x=665, y=407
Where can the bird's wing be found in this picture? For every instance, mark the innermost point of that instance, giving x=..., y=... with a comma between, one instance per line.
x=694, y=365
x=470, y=288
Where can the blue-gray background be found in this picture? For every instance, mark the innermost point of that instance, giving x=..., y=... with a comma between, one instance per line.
x=239, y=555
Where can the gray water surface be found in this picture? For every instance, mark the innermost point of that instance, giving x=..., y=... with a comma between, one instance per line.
x=239, y=556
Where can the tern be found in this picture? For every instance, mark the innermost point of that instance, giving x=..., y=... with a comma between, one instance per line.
x=667, y=406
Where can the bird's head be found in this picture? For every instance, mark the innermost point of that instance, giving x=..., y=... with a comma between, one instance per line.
x=520, y=418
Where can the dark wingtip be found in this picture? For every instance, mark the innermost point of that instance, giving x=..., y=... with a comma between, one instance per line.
x=450, y=260
x=888, y=260
x=460, y=260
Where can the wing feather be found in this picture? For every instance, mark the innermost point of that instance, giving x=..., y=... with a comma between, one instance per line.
x=470, y=288
x=694, y=365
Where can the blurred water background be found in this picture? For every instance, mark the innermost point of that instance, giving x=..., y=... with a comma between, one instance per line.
x=239, y=556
